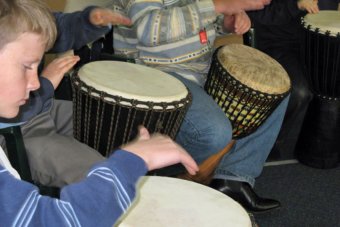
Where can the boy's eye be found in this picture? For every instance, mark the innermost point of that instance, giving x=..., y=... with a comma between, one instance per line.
x=28, y=67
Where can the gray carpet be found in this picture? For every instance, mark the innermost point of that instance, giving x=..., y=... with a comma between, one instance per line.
x=310, y=197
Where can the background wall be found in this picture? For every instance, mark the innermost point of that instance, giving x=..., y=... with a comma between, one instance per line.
x=57, y=5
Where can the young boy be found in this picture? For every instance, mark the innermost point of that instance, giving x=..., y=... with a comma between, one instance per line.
x=27, y=30
x=55, y=157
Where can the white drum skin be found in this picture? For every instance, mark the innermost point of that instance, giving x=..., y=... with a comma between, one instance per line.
x=254, y=69
x=171, y=202
x=132, y=81
x=247, y=84
x=325, y=20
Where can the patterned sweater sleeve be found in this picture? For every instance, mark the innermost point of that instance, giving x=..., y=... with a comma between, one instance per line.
x=159, y=24
x=98, y=200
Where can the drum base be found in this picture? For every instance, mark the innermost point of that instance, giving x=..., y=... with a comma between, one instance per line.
x=319, y=143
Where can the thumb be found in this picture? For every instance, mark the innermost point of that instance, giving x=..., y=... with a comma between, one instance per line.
x=143, y=133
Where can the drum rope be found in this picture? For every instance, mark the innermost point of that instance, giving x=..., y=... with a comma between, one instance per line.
x=105, y=121
x=245, y=107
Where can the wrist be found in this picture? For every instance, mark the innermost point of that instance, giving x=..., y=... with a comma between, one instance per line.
x=218, y=6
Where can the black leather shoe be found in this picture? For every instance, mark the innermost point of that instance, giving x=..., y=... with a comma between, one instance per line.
x=243, y=193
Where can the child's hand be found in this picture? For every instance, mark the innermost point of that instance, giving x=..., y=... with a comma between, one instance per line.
x=159, y=151
x=104, y=17
x=239, y=23
x=56, y=70
x=311, y=6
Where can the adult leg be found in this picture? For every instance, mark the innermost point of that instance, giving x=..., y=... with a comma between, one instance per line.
x=62, y=114
x=246, y=159
x=236, y=173
x=205, y=129
x=298, y=104
x=55, y=159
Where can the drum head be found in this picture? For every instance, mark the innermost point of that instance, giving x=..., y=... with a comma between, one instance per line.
x=254, y=69
x=132, y=81
x=325, y=21
x=171, y=202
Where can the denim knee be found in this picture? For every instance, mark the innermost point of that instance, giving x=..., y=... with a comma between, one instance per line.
x=202, y=140
x=205, y=129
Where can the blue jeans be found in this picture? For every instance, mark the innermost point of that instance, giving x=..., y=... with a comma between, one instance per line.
x=206, y=130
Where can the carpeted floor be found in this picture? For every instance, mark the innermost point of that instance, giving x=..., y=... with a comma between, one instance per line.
x=310, y=197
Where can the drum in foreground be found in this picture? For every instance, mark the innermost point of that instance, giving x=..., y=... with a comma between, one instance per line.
x=321, y=51
x=111, y=99
x=171, y=202
x=247, y=84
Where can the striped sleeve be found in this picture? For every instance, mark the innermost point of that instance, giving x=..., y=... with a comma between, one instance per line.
x=158, y=24
x=98, y=200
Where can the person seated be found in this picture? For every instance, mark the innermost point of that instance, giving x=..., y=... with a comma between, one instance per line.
x=329, y=4
x=55, y=157
x=176, y=37
x=27, y=31
x=277, y=31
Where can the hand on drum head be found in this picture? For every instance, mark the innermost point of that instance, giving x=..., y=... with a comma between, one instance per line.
x=56, y=70
x=311, y=6
x=104, y=17
x=239, y=23
x=159, y=151
x=231, y=7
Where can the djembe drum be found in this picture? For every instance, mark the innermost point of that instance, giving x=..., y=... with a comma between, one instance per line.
x=170, y=202
x=318, y=144
x=322, y=52
x=247, y=84
x=111, y=99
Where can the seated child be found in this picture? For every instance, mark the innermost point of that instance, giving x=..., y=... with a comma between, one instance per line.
x=27, y=30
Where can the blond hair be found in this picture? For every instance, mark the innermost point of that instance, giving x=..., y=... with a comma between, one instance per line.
x=21, y=16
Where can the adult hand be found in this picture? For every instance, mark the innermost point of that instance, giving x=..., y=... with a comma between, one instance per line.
x=56, y=70
x=311, y=6
x=232, y=7
x=159, y=151
x=104, y=17
x=239, y=23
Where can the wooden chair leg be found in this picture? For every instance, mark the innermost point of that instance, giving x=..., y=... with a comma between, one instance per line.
x=207, y=168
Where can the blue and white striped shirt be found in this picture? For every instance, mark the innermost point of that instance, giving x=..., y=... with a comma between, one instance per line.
x=98, y=200
x=166, y=35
